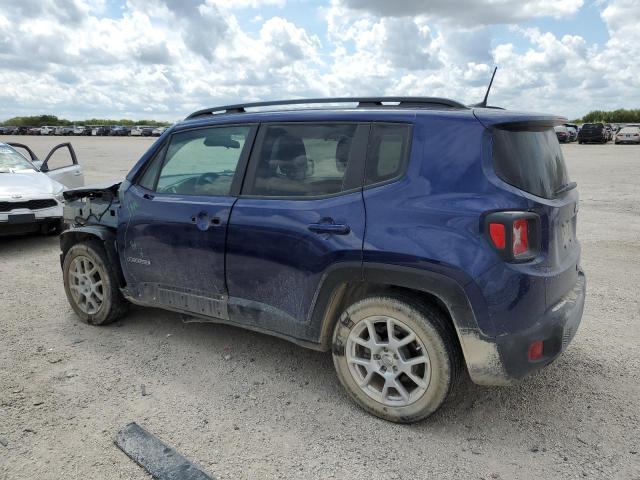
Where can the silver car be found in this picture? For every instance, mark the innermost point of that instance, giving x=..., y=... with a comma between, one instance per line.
x=31, y=197
x=628, y=135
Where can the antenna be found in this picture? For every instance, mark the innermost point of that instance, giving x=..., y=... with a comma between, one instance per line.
x=483, y=103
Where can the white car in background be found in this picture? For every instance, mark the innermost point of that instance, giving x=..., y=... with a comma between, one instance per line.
x=31, y=190
x=47, y=130
x=136, y=131
x=156, y=132
x=628, y=134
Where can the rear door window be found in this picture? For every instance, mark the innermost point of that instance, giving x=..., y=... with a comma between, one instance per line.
x=530, y=159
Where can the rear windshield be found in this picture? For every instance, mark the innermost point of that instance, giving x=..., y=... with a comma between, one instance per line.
x=530, y=159
x=592, y=126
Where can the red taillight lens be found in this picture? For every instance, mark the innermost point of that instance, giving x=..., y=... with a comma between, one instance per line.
x=520, y=237
x=536, y=350
x=515, y=235
x=497, y=234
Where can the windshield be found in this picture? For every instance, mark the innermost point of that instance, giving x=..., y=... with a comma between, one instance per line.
x=530, y=159
x=11, y=161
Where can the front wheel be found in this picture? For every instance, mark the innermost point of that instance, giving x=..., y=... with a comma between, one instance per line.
x=91, y=284
x=397, y=358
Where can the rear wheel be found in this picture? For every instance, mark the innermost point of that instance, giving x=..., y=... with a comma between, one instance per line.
x=397, y=358
x=91, y=284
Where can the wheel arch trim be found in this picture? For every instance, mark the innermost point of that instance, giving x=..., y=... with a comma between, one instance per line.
x=105, y=235
x=479, y=348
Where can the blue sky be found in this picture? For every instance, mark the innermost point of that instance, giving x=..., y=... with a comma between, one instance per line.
x=164, y=58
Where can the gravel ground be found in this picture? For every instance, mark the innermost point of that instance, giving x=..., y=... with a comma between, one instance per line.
x=244, y=405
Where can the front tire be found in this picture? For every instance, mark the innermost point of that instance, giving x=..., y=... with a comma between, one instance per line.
x=397, y=358
x=91, y=284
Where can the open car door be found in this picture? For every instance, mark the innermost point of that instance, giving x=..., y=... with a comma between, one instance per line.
x=62, y=168
x=27, y=153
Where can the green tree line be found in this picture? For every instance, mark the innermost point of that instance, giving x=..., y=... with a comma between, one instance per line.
x=620, y=115
x=52, y=120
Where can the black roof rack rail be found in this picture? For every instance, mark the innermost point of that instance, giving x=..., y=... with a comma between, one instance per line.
x=361, y=101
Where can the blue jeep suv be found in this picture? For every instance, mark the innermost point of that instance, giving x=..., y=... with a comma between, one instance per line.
x=411, y=237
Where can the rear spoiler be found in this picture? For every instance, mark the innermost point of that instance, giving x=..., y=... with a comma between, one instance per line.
x=491, y=118
x=107, y=191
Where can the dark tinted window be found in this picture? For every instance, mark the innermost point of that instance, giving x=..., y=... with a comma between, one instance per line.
x=203, y=161
x=307, y=160
x=530, y=160
x=387, y=152
x=592, y=126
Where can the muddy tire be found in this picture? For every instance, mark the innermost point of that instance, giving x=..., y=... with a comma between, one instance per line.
x=91, y=284
x=402, y=376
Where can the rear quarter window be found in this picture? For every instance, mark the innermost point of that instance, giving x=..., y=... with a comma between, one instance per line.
x=387, y=152
x=530, y=159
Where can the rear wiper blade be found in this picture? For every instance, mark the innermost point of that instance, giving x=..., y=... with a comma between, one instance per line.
x=565, y=188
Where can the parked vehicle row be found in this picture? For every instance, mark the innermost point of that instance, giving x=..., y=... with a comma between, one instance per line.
x=598, y=133
x=85, y=130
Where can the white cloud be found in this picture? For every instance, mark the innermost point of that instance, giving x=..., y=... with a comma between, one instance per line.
x=165, y=58
x=470, y=12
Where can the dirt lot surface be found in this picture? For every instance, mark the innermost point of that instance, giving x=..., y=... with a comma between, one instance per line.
x=244, y=405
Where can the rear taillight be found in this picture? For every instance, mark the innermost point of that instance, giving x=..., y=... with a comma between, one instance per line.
x=520, y=236
x=515, y=236
x=496, y=232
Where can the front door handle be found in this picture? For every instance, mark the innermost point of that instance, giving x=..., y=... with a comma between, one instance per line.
x=330, y=228
x=203, y=221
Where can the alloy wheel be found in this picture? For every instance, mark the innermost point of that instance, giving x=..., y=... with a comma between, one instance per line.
x=388, y=361
x=86, y=284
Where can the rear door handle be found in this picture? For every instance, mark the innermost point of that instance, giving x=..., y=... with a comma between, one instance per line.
x=148, y=196
x=331, y=228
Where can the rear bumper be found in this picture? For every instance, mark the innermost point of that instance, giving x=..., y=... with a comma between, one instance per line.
x=594, y=139
x=502, y=360
x=556, y=328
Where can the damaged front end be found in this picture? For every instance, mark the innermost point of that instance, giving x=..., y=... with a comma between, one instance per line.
x=93, y=205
